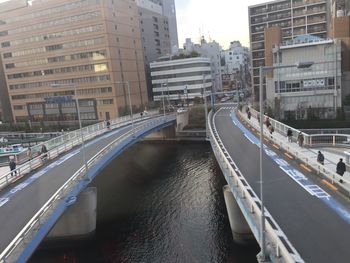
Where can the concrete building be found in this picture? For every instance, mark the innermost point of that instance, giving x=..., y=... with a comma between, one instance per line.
x=210, y=50
x=169, y=10
x=315, y=92
x=93, y=44
x=180, y=79
x=236, y=63
x=277, y=21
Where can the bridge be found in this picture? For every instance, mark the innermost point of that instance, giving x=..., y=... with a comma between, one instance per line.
x=307, y=210
x=37, y=193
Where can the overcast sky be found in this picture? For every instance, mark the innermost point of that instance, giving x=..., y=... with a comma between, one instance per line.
x=223, y=20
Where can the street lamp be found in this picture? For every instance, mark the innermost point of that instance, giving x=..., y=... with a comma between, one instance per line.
x=263, y=70
x=206, y=108
x=79, y=119
x=129, y=96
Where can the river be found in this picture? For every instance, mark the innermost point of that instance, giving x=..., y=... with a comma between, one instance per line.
x=158, y=203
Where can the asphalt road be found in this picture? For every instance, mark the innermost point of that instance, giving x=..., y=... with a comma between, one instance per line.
x=24, y=203
x=317, y=232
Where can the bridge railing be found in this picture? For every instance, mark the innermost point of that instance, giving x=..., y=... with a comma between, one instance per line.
x=61, y=144
x=310, y=140
x=17, y=245
x=250, y=204
x=331, y=175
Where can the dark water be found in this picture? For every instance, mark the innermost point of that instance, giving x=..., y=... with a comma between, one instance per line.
x=158, y=203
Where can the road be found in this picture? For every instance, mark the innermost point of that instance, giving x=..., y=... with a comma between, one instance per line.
x=317, y=225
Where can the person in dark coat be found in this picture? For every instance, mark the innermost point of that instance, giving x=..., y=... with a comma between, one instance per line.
x=12, y=165
x=341, y=168
x=301, y=139
x=249, y=115
x=267, y=122
x=289, y=135
x=43, y=152
x=320, y=158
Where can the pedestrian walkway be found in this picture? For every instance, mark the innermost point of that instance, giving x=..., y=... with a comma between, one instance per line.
x=331, y=157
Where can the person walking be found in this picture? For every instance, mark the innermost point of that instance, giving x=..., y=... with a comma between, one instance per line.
x=29, y=153
x=300, y=139
x=320, y=158
x=271, y=130
x=12, y=165
x=267, y=122
x=341, y=168
x=249, y=115
x=289, y=135
x=108, y=124
x=43, y=152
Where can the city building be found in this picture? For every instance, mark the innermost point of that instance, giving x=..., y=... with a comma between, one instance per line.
x=49, y=47
x=274, y=22
x=314, y=92
x=235, y=66
x=210, y=50
x=179, y=78
x=170, y=12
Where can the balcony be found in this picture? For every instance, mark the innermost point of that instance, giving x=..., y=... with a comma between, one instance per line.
x=316, y=10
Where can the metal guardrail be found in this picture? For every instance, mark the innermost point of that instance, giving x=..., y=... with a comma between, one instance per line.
x=250, y=204
x=59, y=145
x=14, y=249
x=332, y=176
x=310, y=140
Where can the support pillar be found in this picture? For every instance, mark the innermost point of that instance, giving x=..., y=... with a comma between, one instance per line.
x=240, y=229
x=79, y=220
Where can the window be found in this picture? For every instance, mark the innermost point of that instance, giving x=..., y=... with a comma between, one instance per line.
x=10, y=65
x=5, y=44
x=7, y=55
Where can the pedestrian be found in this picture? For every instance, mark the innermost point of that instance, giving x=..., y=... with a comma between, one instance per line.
x=289, y=135
x=267, y=122
x=300, y=139
x=29, y=153
x=271, y=130
x=141, y=114
x=43, y=152
x=341, y=168
x=320, y=158
x=258, y=117
x=249, y=115
x=12, y=165
x=108, y=125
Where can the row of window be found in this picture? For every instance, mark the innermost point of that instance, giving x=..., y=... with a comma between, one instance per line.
x=94, y=55
x=72, y=32
x=48, y=24
x=181, y=75
x=57, y=82
x=181, y=84
x=81, y=68
x=190, y=65
x=304, y=85
x=82, y=43
x=51, y=11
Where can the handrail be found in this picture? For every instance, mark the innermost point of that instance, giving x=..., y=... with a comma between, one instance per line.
x=12, y=251
x=310, y=140
x=251, y=210
x=62, y=144
x=321, y=169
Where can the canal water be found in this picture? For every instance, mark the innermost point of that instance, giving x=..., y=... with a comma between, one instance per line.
x=158, y=203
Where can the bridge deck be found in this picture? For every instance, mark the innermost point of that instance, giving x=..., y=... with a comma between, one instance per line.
x=19, y=204
x=315, y=219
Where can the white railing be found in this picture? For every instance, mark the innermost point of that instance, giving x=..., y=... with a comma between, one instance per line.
x=332, y=176
x=61, y=144
x=310, y=140
x=248, y=203
x=17, y=245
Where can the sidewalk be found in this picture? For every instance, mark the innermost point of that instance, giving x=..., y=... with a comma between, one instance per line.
x=331, y=157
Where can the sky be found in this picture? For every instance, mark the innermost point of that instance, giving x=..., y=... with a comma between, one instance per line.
x=223, y=20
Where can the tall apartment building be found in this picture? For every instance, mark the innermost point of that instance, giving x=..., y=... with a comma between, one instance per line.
x=94, y=45
x=274, y=22
x=170, y=11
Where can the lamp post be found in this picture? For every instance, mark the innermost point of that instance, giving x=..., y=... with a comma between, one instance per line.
x=79, y=119
x=163, y=102
x=206, y=108
x=129, y=98
x=262, y=71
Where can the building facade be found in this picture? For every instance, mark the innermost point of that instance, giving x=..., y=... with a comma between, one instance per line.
x=211, y=50
x=52, y=46
x=274, y=22
x=179, y=80
x=314, y=92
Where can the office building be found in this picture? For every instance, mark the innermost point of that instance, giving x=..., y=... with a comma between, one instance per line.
x=277, y=21
x=50, y=46
x=179, y=78
x=314, y=92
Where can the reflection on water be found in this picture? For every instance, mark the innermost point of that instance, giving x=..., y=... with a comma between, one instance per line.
x=159, y=203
